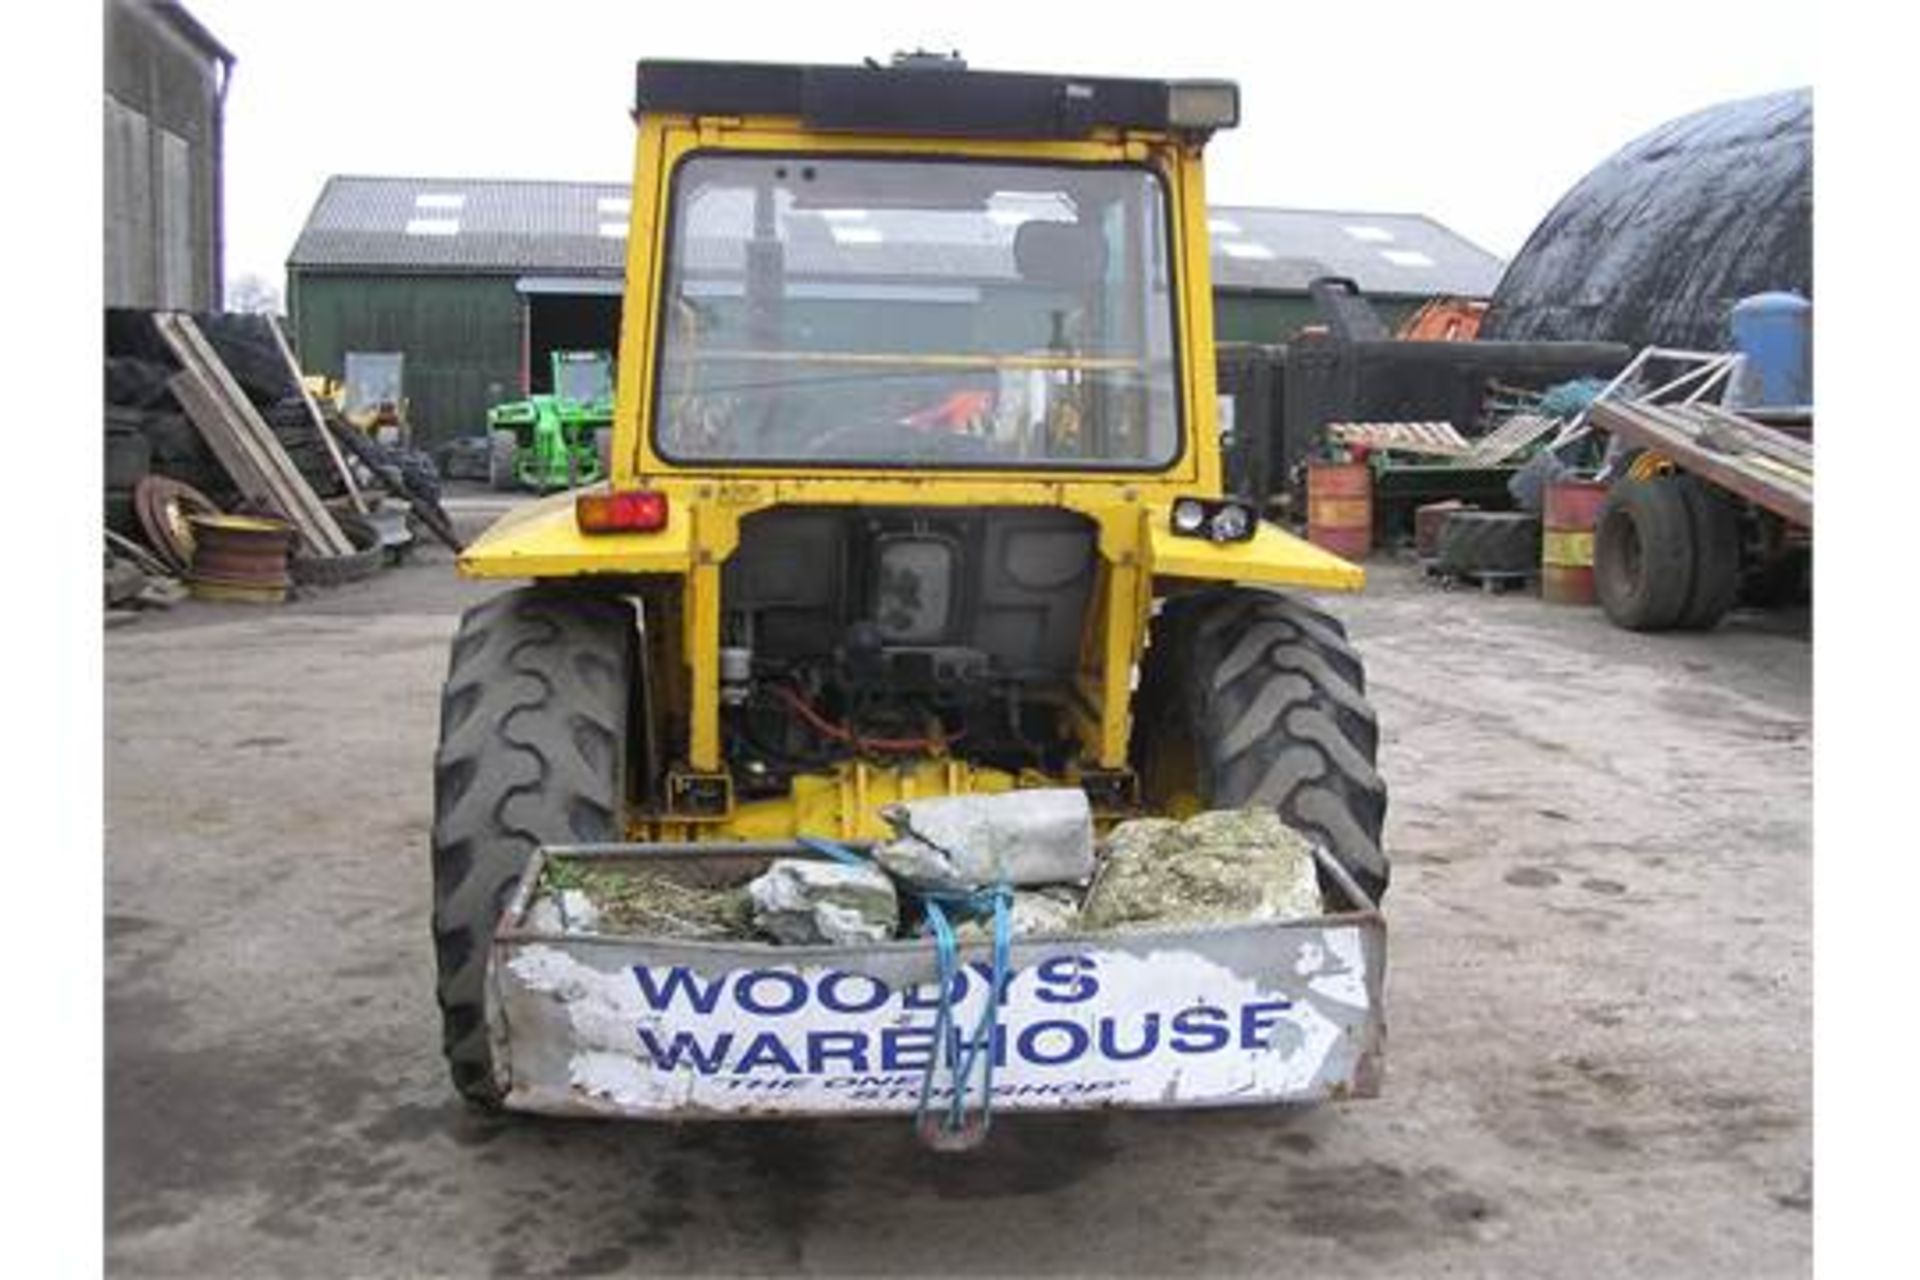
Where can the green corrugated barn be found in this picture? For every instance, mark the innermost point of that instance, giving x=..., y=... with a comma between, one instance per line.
x=476, y=281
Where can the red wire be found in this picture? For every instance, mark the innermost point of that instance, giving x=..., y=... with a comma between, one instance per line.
x=843, y=734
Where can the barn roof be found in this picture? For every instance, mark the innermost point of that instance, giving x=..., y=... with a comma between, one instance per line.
x=508, y=226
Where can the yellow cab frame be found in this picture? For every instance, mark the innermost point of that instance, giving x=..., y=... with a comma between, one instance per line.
x=675, y=571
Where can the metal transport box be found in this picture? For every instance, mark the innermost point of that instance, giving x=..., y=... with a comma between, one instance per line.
x=1185, y=1016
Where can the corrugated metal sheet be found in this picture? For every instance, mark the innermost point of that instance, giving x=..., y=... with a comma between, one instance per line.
x=464, y=225
x=1656, y=244
x=426, y=224
x=1404, y=254
x=461, y=337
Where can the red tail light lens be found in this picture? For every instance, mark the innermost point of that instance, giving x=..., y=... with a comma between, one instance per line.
x=632, y=511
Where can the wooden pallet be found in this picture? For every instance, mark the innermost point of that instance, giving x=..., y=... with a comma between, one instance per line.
x=1493, y=583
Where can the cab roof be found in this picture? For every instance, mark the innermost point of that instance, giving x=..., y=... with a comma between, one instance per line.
x=927, y=94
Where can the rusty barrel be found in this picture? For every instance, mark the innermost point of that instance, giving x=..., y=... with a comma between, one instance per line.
x=239, y=558
x=1566, y=541
x=1340, y=508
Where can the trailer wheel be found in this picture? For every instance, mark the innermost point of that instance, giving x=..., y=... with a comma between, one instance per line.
x=533, y=750
x=1256, y=697
x=503, y=447
x=1715, y=523
x=1643, y=554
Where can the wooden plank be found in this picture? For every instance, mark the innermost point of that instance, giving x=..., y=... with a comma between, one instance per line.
x=253, y=447
x=1758, y=436
x=1511, y=436
x=206, y=411
x=227, y=435
x=267, y=445
x=1438, y=439
x=319, y=420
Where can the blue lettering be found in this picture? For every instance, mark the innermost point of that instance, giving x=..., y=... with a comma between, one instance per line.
x=1197, y=1030
x=745, y=988
x=766, y=1047
x=1066, y=980
x=985, y=972
x=928, y=996
x=684, y=1042
x=958, y=1042
x=1076, y=1035
x=679, y=980
x=831, y=998
x=1109, y=1041
x=906, y=1048
x=1259, y=1018
x=849, y=1045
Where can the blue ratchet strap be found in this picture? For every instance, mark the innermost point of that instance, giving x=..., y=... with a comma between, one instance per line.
x=952, y=1129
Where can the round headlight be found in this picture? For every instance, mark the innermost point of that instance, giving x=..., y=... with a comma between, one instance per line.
x=1188, y=516
x=1230, y=524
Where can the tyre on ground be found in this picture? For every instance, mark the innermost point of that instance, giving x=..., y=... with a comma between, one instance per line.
x=502, y=448
x=1489, y=542
x=1644, y=553
x=1714, y=521
x=534, y=723
x=1253, y=697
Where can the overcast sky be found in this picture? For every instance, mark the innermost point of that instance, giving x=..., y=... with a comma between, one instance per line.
x=1479, y=115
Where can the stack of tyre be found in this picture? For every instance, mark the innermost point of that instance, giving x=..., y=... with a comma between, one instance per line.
x=1666, y=553
x=147, y=431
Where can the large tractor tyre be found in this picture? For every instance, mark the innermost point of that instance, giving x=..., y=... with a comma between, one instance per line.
x=503, y=448
x=1715, y=523
x=1643, y=554
x=533, y=750
x=1490, y=542
x=1253, y=697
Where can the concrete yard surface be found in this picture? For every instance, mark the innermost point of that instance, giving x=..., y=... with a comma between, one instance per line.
x=1599, y=996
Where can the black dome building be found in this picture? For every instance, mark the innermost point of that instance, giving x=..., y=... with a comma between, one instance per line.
x=1657, y=244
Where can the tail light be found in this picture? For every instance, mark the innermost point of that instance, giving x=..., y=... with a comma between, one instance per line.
x=628, y=511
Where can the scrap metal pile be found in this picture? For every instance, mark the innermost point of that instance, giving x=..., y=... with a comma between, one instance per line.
x=224, y=473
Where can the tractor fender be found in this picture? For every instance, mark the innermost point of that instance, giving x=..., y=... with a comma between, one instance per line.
x=543, y=540
x=1272, y=557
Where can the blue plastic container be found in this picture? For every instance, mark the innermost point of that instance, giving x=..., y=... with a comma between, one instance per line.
x=1774, y=331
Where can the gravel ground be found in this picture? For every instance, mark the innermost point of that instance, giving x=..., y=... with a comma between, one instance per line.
x=1600, y=997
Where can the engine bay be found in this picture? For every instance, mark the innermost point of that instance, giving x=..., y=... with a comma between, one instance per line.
x=880, y=633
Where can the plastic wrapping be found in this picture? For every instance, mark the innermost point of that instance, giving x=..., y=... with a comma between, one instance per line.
x=1041, y=836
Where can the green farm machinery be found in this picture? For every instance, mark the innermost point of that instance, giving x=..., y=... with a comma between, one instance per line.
x=557, y=440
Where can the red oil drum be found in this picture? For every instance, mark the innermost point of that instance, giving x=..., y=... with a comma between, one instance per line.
x=1566, y=541
x=1340, y=508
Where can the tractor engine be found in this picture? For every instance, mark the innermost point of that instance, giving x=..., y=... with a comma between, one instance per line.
x=885, y=632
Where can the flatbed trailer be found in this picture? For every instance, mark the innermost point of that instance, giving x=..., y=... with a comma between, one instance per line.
x=1707, y=501
x=1767, y=465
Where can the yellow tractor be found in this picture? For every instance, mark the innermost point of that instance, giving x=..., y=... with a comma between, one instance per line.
x=915, y=491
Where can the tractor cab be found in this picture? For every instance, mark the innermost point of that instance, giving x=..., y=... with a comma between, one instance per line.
x=913, y=490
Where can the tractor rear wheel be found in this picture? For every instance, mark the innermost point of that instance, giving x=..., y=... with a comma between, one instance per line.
x=503, y=449
x=533, y=750
x=1251, y=697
